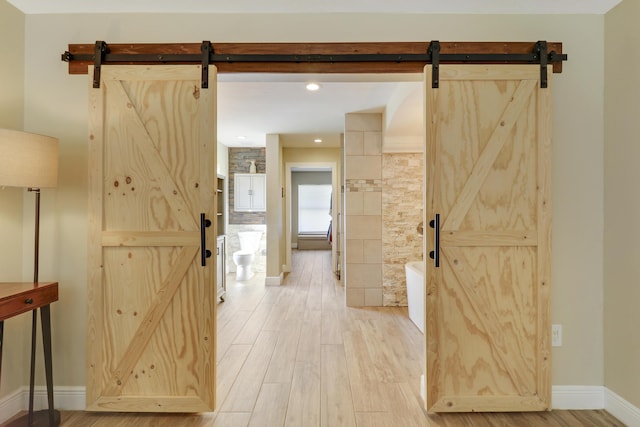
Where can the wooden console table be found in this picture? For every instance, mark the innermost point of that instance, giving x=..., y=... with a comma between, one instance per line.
x=17, y=298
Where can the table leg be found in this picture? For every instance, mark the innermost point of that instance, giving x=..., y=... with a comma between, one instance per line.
x=32, y=377
x=50, y=417
x=1, y=336
x=45, y=317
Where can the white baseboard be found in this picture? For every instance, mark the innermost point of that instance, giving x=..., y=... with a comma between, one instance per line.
x=274, y=280
x=64, y=398
x=11, y=405
x=563, y=397
x=596, y=397
x=621, y=409
x=577, y=397
x=584, y=398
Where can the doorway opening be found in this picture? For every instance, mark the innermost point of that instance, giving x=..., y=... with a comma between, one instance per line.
x=313, y=229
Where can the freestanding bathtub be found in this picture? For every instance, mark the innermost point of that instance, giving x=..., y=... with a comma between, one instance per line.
x=415, y=292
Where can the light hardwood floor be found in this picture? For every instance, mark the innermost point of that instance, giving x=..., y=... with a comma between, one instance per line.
x=294, y=355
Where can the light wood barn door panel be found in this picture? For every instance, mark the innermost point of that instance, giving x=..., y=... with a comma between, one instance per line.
x=151, y=303
x=488, y=163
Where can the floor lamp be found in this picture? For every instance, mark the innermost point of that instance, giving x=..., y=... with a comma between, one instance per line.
x=30, y=161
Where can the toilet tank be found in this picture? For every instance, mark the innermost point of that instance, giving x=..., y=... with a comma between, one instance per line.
x=249, y=240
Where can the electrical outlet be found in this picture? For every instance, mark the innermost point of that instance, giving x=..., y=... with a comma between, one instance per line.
x=556, y=335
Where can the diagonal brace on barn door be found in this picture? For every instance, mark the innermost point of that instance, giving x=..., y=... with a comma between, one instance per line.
x=508, y=352
x=170, y=189
x=151, y=320
x=489, y=155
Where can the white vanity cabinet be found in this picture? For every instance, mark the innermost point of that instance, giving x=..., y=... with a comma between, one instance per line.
x=221, y=254
x=250, y=191
x=221, y=257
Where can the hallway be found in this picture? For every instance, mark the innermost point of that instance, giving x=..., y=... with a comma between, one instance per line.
x=296, y=354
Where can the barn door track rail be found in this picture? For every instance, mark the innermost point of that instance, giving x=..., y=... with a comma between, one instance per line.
x=391, y=57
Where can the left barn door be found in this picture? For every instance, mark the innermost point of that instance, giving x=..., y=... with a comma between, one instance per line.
x=151, y=331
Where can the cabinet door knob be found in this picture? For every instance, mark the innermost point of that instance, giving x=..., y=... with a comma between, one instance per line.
x=28, y=301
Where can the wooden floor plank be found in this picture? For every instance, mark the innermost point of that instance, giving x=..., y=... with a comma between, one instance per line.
x=295, y=355
x=282, y=362
x=366, y=390
x=245, y=389
x=228, y=332
x=385, y=364
x=231, y=419
x=303, y=409
x=405, y=404
x=228, y=369
x=253, y=325
x=376, y=419
x=276, y=319
x=336, y=404
x=271, y=406
x=331, y=328
x=310, y=338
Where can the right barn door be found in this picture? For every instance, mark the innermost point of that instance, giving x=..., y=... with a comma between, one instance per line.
x=488, y=204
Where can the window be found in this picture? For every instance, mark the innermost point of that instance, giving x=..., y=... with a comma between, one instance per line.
x=314, y=209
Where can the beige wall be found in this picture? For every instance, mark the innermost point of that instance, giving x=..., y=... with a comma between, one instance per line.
x=275, y=211
x=622, y=202
x=56, y=104
x=15, y=350
x=312, y=155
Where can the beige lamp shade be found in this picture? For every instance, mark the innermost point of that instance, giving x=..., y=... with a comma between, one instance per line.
x=28, y=160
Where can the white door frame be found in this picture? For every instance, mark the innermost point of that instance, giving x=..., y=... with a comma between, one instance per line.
x=289, y=166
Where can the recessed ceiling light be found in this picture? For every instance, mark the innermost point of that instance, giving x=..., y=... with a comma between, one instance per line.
x=317, y=140
x=241, y=137
x=313, y=86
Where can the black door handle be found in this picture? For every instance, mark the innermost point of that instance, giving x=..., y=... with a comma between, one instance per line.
x=204, y=252
x=435, y=253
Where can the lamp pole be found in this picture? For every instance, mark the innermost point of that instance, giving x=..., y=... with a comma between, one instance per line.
x=36, y=250
x=34, y=317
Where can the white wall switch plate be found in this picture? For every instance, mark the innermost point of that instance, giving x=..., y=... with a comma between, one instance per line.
x=556, y=335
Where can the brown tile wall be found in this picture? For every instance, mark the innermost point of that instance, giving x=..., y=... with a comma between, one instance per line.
x=239, y=163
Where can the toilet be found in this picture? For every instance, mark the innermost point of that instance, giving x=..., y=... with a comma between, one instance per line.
x=249, y=245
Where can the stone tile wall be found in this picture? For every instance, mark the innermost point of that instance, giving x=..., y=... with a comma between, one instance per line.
x=402, y=181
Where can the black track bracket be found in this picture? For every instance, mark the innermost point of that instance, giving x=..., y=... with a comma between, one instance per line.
x=434, y=51
x=541, y=50
x=205, y=48
x=100, y=50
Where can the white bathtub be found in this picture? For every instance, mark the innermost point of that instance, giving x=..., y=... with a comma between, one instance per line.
x=415, y=292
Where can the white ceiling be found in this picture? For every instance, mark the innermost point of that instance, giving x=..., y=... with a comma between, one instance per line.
x=254, y=105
